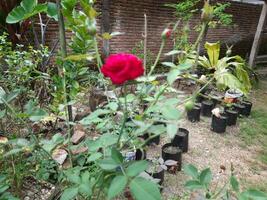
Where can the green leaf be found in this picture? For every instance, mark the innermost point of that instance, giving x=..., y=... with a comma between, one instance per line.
x=116, y=156
x=85, y=187
x=234, y=184
x=169, y=64
x=136, y=168
x=143, y=189
x=2, y=113
x=108, y=164
x=38, y=115
x=95, y=156
x=205, y=176
x=191, y=170
x=253, y=195
x=69, y=194
x=193, y=185
x=172, y=130
x=171, y=113
x=213, y=50
x=27, y=9
x=52, y=10
x=28, y=5
x=172, y=76
x=12, y=152
x=117, y=186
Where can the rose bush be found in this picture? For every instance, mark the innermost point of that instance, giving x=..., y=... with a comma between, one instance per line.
x=122, y=67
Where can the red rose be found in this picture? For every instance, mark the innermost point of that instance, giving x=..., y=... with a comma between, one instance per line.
x=122, y=67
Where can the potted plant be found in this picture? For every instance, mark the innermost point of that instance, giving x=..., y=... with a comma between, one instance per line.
x=247, y=110
x=206, y=108
x=181, y=139
x=231, y=114
x=170, y=152
x=193, y=115
x=219, y=121
x=240, y=108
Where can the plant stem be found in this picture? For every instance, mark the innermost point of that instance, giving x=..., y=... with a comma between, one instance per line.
x=125, y=115
x=63, y=45
x=158, y=57
x=145, y=43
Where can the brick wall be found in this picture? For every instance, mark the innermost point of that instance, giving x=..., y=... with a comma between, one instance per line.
x=127, y=16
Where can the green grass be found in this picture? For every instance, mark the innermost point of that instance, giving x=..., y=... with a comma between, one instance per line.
x=253, y=130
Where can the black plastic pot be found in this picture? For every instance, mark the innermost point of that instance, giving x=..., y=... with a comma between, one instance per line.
x=239, y=108
x=176, y=156
x=193, y=115
x=247, y=109
x=158, y=175
x=181, y=139
x=218, y=124
x=206, y=108
x=140, y=154
x=231, y=117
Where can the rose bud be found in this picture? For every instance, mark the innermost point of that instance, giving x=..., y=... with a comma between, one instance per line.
x=166, y=34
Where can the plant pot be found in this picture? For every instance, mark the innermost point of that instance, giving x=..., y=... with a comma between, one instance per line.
x=206, y=108
x=239, y=108
x=140, y=154
x=181, y=139
x=159, y=174
x=247, y=110
x=231, y=117
x=219, y=124
x=193, y=115
x=169, y=152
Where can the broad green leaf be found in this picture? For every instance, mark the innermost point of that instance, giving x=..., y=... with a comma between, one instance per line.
x=143, y=189
x=252, y=195
x=38, y=115
x=116, y=156
x=12, y=152
x=205, y=176
x=117, y=186
x=171, y=113
x=193, y=185
x=169, y=64
x=95, y=156
x=15, y=15
x=136, y=168
x=69, y=193
x=184, y=66
x=226, y=79
x=213, y=50
x=191, y=170
x=108, y=164
x=172, y=75
x=3, y=188
x=85, y=187
x=28, y=5
x=172, y=130
x=52, y=10
x=234, y=184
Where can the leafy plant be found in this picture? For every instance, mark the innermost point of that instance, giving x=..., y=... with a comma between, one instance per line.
x=228, y=71
x=201, y=181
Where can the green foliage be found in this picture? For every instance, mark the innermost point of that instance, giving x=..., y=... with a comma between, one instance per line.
x=201, y=182
x=4, y=186
x=29, y=8
x=184, y=9
x=229, y=71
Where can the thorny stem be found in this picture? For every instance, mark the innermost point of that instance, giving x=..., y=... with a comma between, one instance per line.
x=125, y=116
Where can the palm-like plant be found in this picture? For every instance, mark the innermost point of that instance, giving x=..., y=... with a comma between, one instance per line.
x=229, y=71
